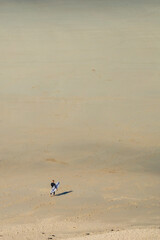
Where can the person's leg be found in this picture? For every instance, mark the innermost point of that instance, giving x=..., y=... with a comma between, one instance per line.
x=51, y=193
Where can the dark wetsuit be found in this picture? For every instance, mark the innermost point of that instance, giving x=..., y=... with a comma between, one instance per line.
x=53, y=185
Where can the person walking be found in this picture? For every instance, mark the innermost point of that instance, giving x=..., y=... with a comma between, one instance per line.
x=53, y=186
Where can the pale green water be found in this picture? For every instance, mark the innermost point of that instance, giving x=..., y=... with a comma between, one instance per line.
x=80, y=69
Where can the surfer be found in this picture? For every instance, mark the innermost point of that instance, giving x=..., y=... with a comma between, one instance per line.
x=53, y=185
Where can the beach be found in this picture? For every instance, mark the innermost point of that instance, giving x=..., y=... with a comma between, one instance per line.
x=79, y=104
x=94, y=201
x=44, y=232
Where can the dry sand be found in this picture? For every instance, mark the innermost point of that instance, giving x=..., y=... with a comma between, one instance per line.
x=106, y=198
x=79, y=102
x=44, y=231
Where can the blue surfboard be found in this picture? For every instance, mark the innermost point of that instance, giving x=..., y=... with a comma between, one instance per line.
x=55, y=188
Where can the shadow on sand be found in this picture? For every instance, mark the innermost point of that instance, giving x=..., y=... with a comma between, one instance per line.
x=63, y=193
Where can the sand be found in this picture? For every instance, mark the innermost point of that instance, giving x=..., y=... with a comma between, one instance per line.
x=106, y=199
x=79, y=103
x=46, y=230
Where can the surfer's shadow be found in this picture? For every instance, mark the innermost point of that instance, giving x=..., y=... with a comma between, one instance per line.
x=63, y=193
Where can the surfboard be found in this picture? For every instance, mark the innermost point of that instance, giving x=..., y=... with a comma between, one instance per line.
x=55, y=187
